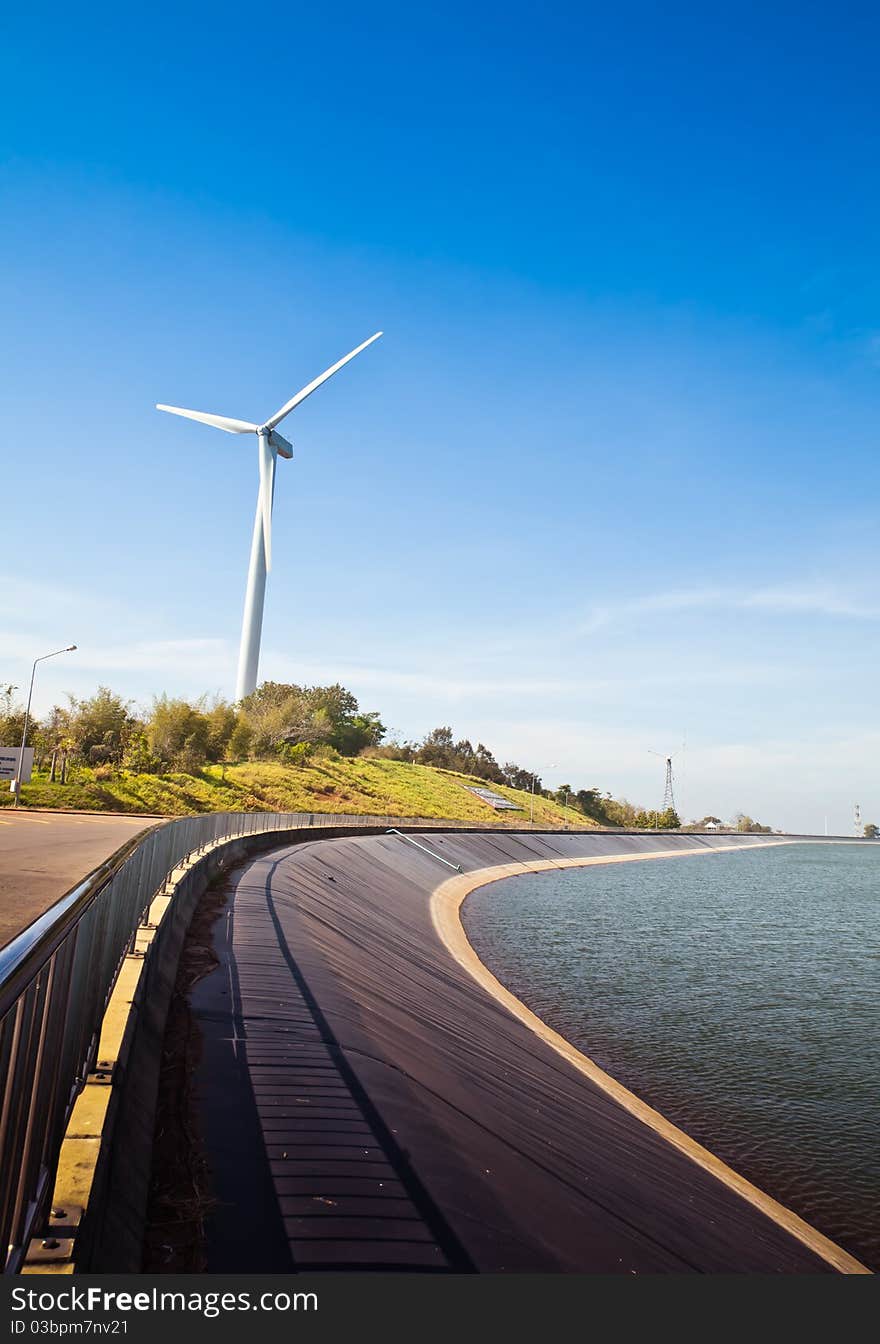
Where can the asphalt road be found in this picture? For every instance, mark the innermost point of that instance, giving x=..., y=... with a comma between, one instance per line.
x=44, y=854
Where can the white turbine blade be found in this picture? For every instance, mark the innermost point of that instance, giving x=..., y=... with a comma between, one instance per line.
x=267, y=488
x=218, y=421
x=312, y=387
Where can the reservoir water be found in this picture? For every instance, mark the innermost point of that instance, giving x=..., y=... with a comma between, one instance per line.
x=737, y=993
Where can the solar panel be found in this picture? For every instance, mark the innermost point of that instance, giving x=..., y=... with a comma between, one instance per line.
x=495, y=800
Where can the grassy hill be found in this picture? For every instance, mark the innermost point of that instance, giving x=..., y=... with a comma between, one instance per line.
x=328, y=783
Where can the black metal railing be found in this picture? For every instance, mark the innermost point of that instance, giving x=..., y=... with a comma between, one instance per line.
x=56, y=979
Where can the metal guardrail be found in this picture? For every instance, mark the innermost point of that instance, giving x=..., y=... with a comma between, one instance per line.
x=56, y=979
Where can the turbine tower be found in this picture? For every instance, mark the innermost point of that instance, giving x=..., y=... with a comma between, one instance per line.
x=271, y=445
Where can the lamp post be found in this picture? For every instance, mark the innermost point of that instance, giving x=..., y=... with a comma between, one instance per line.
x=16, y=783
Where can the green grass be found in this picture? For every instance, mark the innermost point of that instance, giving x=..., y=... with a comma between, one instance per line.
x=331, y=784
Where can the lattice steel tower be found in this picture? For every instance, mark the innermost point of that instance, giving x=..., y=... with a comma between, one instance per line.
x=668, y=797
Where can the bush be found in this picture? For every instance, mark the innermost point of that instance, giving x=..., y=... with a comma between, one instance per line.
x=101, y=725
x=178, y=734
x=324, y=752
x=223, y=723
x=239, y=745
x=138, y=758
x=295, y=753
x=279, y=713
x=390, y=751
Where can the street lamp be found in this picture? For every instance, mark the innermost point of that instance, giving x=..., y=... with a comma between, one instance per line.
x=15, y=786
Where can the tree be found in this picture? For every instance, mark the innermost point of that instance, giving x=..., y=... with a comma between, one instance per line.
x=53, y=734
x=222, y=723
x=392, y=751
x=277, y=715
x=280, y=715
x=99, y=727
x=485, y=765
x=621, y=812
x=11, y=718
x=178, y=734
x=589, y=801
x=437, y=749
x=240, y=742
x=355, y=734
x=441, y=750
x=750, y=827
x=871, y=831
x=515, y=777
x=7, y=693
x=138, y=756
x=668, y=820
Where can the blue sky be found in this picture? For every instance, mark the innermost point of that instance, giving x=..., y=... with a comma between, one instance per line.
x=609, y=480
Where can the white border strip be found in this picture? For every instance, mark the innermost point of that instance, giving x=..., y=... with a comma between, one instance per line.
x=446, y=903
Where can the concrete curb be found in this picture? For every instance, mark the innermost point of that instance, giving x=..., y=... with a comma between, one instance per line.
x=27, y=810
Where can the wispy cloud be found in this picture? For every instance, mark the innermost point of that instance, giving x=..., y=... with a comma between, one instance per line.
x=195, y=655
x=491, y=680
x=191, y=655
x=811, y=599
x=815, y=599
x=677, y=600
x=28, y=602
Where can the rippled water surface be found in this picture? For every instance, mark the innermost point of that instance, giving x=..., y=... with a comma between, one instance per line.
x=738, y=993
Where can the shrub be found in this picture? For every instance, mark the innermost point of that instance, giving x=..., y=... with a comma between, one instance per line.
x=138, y=758
x=239, y=744
x=223, y=723
x=325, y=752
x=103, y=722
x=278, y=712
x=178, y=733
x=390, y=751
x=295, y=753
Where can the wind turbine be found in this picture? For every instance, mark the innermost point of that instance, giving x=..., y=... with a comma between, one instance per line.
x=668, y=796
x=271, y=446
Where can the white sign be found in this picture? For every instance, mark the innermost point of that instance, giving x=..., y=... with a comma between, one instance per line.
x=9, y=761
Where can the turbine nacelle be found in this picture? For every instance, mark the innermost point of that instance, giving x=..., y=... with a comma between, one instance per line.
x=279, y=443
